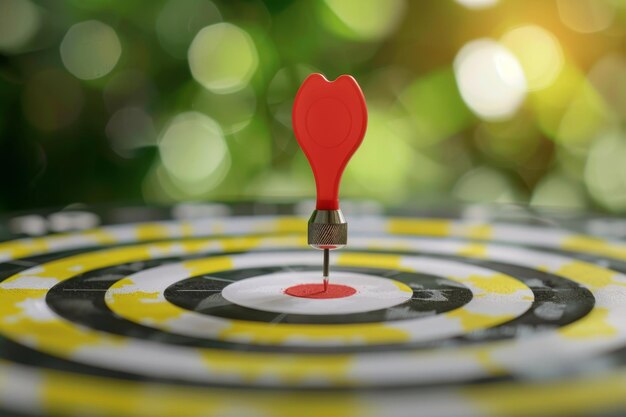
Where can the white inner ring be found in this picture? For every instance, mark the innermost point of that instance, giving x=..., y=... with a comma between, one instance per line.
x=267, y=293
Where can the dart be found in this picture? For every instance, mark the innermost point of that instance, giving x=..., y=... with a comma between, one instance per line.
x=329, y=121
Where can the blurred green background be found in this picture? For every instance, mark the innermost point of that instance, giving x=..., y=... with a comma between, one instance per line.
x=518, y=101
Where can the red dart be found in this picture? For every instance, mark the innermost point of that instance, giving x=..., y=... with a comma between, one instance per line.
x=329, y=120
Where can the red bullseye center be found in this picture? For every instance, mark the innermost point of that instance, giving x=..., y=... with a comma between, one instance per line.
x=316, y=291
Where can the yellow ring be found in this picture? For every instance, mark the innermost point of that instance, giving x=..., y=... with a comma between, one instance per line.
x=147, y=308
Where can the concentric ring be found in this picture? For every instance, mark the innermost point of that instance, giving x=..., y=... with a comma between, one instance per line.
x=533, y=362
x=112, y=351
x=139, y=298
x=202, y=294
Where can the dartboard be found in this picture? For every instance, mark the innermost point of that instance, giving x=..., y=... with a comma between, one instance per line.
x=187, y=311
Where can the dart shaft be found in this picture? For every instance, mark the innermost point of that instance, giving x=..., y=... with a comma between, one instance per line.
x=326, y=262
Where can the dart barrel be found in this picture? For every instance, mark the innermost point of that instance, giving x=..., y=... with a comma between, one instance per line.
x=327, y=229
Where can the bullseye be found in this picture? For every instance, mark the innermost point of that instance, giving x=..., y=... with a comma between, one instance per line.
x=297, y=293
x=316, y=291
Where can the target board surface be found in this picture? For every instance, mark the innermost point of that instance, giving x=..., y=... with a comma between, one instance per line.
x=210, y=310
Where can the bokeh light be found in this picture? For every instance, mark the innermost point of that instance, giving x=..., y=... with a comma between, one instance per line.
x=477, y=4
x=434, y=107
x=90, y=50
x=193, y=149
x=485, y=185
x=605, y=172
x=19, y=22
x=551, y=103
x=560, y=192
x=232, y=111
x=586, y=117
x=223, y=58
x=490, y=78
x=608, y=77
x=539, y=53
x=288, y=183
x=363, y=19
x=389, y=184
x=129, y=129
x=586, y=16
x=161, y=187
x=92, y=5
x=180, y=20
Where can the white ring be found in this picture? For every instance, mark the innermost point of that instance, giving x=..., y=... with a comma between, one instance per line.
x=140, y=298
x=267, y=293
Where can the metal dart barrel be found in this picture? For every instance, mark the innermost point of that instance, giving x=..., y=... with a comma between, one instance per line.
x=327, y=230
